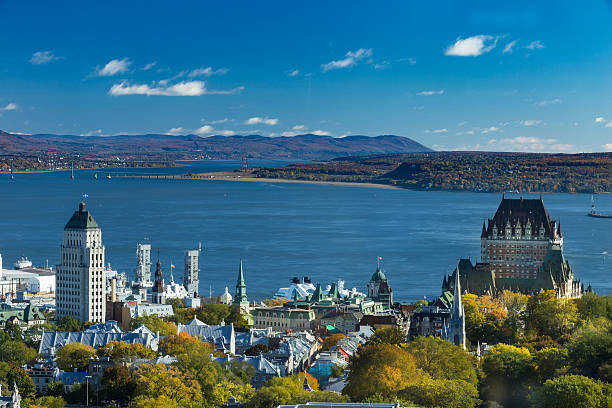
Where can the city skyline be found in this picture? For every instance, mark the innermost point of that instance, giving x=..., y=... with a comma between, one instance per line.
x=501, y=77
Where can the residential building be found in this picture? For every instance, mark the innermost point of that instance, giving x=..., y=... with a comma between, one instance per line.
x=282, y=318
x=344, y=320
x=81, y=284
x=223, y=337
x=97, y=336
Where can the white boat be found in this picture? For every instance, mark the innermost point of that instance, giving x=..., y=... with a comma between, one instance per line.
x=22, y=263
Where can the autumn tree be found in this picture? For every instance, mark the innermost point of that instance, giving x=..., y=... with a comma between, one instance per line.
x=331, y=340
x=508, y=374
x=289, y=390
x=546, y=315
x=74, y=356
x=118, y=385
x=388, y=335
x=443, y=360
x=155, y=324
x=159, y=381
x=117, y=350
x=380, y=369
x=447, y=393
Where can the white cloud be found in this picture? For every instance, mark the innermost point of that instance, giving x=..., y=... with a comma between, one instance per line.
x=206, y=72
x=530, y=144
x=321, y=133
x=176, y=131
x=428, y=93
x=509, y=47
x=289, y=133
x=149, y=66
x=467, y=132
x=92, y=133
x=548, y=102
x=11, y=106
x=609, y=124
x=410, y=61
x=462, y=123
x=226, y=132
x=534, y=45
x=351, y=59
x=382, y=65
x=531, y=122
x=490, y=129
x=257, y=120
x=471, y=46
x=114, y=67
x=599, y=119
x=184, y=88
x=299, y=127
x=204, y=130
x=434, y=131
x=608, y=147
x=42, y=57
x=217, y=122
x=294, y=73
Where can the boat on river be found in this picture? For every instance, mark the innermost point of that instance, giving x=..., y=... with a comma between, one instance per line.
x=594, y=213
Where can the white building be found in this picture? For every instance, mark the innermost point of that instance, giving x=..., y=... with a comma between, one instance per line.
x=191, y=279
x=81, y=284
x=143, y=269
x=174, y=290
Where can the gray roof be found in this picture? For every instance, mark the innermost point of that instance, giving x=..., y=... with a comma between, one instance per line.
x=52, y=341
x=221, y=336
x=261, y=364
x=81, y=219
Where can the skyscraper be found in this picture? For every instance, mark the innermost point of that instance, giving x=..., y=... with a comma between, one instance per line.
x=143, y=269
x=191, y=279
x=81, y=286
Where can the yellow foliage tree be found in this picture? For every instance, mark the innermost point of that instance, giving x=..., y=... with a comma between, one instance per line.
x=158, y=381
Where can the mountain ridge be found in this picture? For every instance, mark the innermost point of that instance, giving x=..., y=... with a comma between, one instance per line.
x=155, y=146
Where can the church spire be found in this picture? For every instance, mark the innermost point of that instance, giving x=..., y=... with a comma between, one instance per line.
x=456, y=332
x=241, y=296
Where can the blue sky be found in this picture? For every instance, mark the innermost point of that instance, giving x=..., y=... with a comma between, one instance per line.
x=508, y=76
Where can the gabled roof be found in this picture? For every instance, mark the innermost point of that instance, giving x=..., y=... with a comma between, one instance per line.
x=81, y=219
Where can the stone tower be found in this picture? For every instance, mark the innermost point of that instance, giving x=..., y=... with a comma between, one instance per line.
x=157, y=293
x=191, y=279
x=81, y=283
x=456, y=330
x=241, y=295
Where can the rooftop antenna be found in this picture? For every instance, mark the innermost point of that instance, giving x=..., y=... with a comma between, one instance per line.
x=199, y=246
x=12, y=175
x=210, y=291
x=72, y=170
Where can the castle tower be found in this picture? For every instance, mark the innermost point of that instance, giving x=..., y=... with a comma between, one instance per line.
x=81, y=283
x=241, y=295
x=143, y=268
x=191, y=279
x=456, y=332
x=157, y=294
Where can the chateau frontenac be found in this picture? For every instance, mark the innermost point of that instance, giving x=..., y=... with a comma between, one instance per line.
x=522, y=251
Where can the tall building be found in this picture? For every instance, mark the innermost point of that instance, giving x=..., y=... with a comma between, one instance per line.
x=456, y=326
x=157, y=293
x=521, y=250
x=143, y=268
x=241, y=295
x=191, y=279
x=81, y=285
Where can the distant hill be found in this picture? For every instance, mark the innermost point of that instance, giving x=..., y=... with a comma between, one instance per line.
x=154, y=146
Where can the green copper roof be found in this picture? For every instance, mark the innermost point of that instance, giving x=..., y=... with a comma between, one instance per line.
x=81, y=219
x=317, y=295
x=378, y=275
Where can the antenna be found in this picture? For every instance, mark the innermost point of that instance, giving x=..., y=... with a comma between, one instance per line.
x=200, y=246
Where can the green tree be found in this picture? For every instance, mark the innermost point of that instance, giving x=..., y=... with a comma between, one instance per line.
x=118, y=385
x=48, y=401
x=331, y=340
x=549, y=362
x=257, y=349
x=572, y=391
x=155, y=324
x=16, y=352
x=590, y=306
x=117, y=350
x=508, y=373
x=589, y=350
x=382, y=369
x=56, y=389
x=68, y=324
x=388, y=335
x=443, y=360
x=215, y=313
x=432, y=393
x=548, y=316
x=11, y=374
x=74, y=356
x=288, y=390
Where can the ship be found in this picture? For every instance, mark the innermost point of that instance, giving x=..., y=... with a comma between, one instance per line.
x=594, y=213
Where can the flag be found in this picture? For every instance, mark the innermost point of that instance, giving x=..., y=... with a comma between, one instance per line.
x=172, y=266
x=380, y=258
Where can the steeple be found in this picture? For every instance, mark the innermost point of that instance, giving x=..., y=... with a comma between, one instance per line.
x=241, y=295
x=484, y=229
x=158, y=286
x=456, y=332
x=317, y=295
